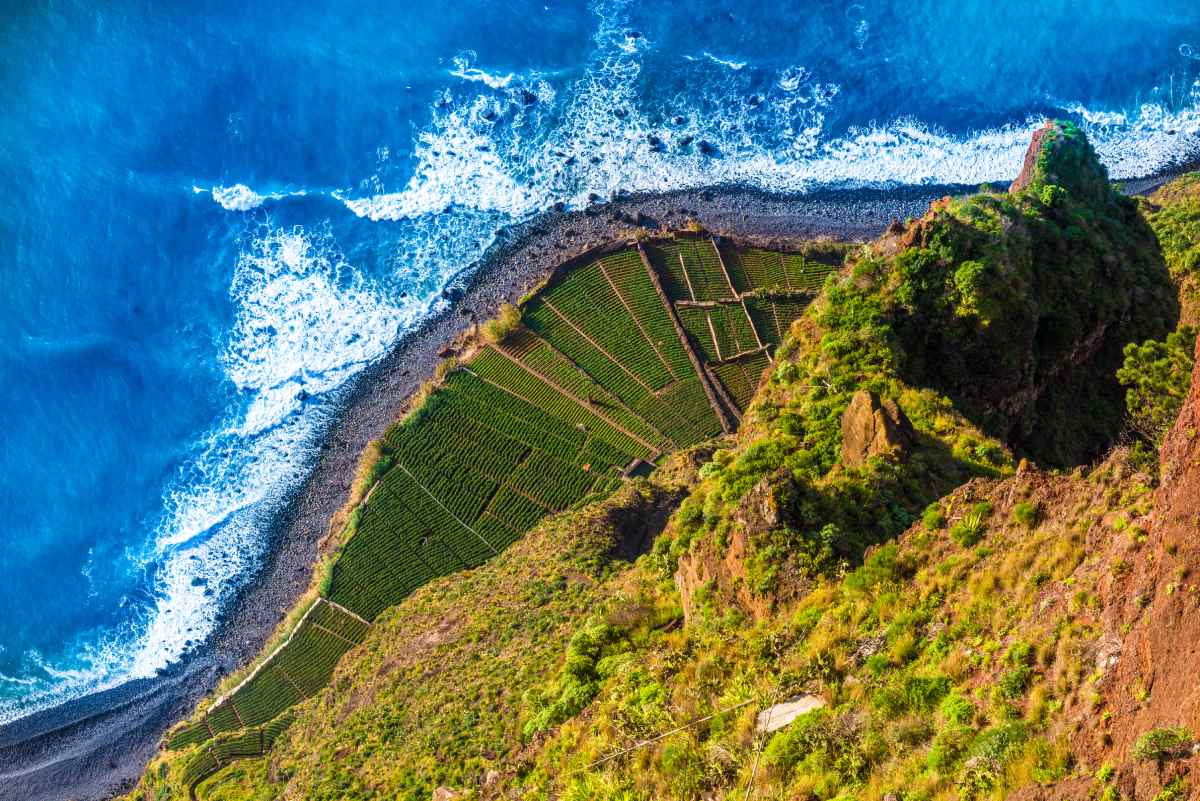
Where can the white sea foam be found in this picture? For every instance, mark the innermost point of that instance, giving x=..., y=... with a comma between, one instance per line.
x=464, y=68
x=725, y=62
x=240, y=197
x=477, y=155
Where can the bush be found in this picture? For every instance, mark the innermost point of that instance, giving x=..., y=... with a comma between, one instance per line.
x=957, y=708
x=1157, y=374
x=1053, y=195
x=503, y=324
x=1159, y=745
x=578, y=682
x=948, y=747
x=968, y=531
x=932, y=518
x=912, y=694
x=1026, y=514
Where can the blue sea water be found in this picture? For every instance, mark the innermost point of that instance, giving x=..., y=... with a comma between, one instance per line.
x=209, y=212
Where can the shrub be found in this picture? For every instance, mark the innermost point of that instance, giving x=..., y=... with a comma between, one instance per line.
x=948, y=747
x=1013, y=682
x=1162, y=744
x=503, y=324
x=1053, y=195
x=1157, y=374
x=957, y=708
x=912, y=694
x=968, y=531
x=932, y=518
x=819, y=743
x=1174, y=790
x=578, y=682
x=1025, y=514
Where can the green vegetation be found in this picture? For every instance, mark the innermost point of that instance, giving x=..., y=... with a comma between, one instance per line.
x=1158, y=374
x=937, y=606
x=1158, y=745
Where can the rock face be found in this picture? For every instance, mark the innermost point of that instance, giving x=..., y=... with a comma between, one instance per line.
x=1155, y=681
x=762, y=509
x=871, y=427
x=1029, y=166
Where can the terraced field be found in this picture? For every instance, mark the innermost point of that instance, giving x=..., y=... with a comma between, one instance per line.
x=628, y=355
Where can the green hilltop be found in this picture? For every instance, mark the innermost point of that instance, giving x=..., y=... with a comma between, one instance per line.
x=687, y=482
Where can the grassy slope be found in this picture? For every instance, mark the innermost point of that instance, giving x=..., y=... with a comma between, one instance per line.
x=921, y=653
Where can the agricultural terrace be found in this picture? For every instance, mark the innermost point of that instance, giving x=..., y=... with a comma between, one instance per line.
x=620, y=358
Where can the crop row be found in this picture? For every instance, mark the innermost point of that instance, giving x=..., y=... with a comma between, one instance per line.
x=189, y=734
x=629, y=275
x=704, y=267
x=762, y=312
x=690, y=401
x=252, y=742
x=753, y=268
x=269, y=693
x=299, y=669
x=740, y=378
x=695, y=322
x=552, y=483
x=805, y=274
x=403, y=540
x=557, y=368
x=491, y=365
x=787, y=310
x=586, y=298
x=331, y=618
x=515, y=510
x=664, y=256
x=495, y=530
x=514, y=418
x=730, y=321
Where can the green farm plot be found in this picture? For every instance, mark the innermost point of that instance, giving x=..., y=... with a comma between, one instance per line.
x=617, y=379
x=789, y=309
x=741, y=376
x=807, y=275
x=703, y=265
x=667, y=261
x=762, y=312
x=629, y=275
x=586, y=298
x=546, y=361
x=295, y=671
x=226, y=748
x=609, y=368
x=754, y=268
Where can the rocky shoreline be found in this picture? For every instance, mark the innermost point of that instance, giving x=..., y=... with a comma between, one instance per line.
x=96, y=747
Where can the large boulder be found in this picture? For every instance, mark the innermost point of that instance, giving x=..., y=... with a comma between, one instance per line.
x=873, y=428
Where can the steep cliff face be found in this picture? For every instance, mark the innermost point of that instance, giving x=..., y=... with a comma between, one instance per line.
x=1156, y=680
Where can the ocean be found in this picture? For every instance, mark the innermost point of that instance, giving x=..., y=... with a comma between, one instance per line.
x=213, y=215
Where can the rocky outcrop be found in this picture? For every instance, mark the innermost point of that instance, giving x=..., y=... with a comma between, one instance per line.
x=873, y=428
x=764, y=508
x=1018, y=307
x=1029, y=165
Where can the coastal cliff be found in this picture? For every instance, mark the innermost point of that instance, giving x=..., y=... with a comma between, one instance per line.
x=932, y=530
